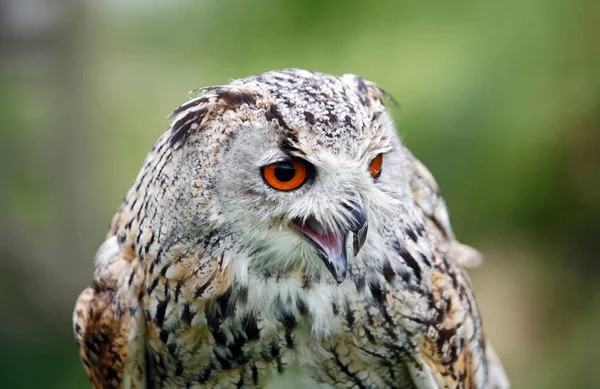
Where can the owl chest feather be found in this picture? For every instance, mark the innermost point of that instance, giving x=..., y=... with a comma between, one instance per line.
x=277, y=322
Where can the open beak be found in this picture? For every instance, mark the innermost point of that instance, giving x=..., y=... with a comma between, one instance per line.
x=333, y=245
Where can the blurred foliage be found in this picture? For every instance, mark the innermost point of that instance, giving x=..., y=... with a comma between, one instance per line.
x=501, y=100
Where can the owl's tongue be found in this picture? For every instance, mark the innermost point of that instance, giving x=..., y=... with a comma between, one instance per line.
x=327, y=239
x=331, y=245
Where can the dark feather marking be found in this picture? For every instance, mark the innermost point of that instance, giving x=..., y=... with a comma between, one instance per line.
x=378, y=293
x=444, y=336
x=384, y=361
x=250, y=326
x=219, y=309
x=388, y=272
x=411, y=234
x=160, y=312
x=289, y=144
x=349, y=315
x=363, y=92
x=236, y=97
x=226, y=303
x=306, y=281
x=254, y=374
x=283, y=315
x=236, y=347
x=362, y=87
x=359, y=281
x=187, y=315
x=376, y=290
x=150, y=242
x=310, y=118
x=420, y=228
x=164, y=269
x=425, y=259
x=201, y=289
x=129, y=222
x=274, y=113
x=301, y=305
x=181, y=131
x=187, y=105
x=164, y=336
x=225, y=364
x=408, y=259
x=205, y=375
x=288, y=338
x=369, y=335
x=347, y=371
x=153, y=285
x=178, y=368
x=178, y=290
x=276, y=355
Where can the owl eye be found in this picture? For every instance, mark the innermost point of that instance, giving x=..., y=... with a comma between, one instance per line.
x=375, y=167
x=285, y=176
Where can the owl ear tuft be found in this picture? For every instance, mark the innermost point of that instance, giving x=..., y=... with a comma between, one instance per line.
x=368, y=91
x=209, y=102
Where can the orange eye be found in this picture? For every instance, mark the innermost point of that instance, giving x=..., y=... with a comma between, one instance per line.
x=375, y=167
x=285, y=176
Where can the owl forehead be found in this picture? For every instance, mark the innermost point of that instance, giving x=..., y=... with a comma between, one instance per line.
x=319, y=105
x=310, y=110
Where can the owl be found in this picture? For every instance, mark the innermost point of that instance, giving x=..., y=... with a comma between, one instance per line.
x=279, y=224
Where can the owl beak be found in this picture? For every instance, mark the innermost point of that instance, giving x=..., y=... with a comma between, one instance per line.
x=359, y=228
x=333, y=246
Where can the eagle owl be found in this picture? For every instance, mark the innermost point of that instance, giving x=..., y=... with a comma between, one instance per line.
x=279, y=223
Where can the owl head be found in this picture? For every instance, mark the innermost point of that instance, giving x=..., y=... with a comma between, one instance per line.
x=289, y=168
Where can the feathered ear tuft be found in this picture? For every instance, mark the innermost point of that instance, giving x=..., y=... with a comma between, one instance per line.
x=210, y=102
x=368, y=91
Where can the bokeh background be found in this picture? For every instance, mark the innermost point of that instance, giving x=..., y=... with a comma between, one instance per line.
x=501, y=99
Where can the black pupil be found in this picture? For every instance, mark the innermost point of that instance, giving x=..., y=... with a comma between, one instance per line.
x=285, y=171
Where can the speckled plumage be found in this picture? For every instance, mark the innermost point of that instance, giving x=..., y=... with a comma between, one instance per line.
x=201, y=282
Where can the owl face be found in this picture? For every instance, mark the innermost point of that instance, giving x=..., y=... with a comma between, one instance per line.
x=289, y=165
x=293, y=199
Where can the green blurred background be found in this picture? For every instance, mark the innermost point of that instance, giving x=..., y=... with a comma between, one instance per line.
x=501, y=100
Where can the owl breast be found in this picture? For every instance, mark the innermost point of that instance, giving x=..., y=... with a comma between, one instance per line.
x=281, y=322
